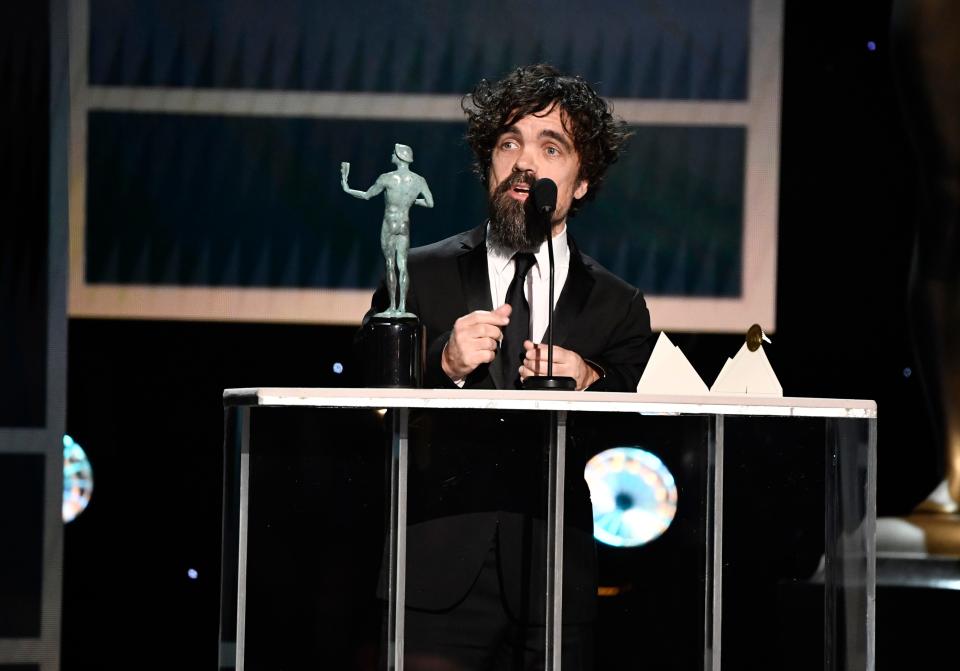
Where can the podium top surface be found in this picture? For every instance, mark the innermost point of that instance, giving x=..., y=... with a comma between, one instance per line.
x=578, y=401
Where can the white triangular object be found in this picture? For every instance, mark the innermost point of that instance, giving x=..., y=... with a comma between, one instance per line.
x=727, y=365
x=748, y=373
x=669, y=372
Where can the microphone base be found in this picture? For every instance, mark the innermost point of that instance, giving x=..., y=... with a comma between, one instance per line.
x=550, y=382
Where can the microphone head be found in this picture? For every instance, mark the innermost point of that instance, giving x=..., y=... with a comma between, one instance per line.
x=545, y=195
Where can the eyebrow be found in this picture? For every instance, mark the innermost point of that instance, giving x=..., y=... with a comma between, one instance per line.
x=547, y=132
x=559, y=137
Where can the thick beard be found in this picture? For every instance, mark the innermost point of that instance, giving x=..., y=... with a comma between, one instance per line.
x=513, y=224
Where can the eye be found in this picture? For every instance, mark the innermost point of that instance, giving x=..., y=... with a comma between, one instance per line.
x=552, y=150
x=508, y=144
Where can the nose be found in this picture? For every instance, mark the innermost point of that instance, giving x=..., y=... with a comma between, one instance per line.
x=526, y=161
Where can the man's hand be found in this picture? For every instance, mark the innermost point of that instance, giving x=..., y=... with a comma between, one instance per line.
x=473, y=341
x=566, y=363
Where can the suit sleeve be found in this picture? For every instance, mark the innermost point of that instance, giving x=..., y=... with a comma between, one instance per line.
x=433, y=375
x=627, y=350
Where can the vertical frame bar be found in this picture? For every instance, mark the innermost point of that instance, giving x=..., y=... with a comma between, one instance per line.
x=230, y=536
x=244, y=519
x=831, y=528
x=556, y=473
x=397, y=577
x=41, y=647
x=849, y=597
x=713, y=585
x=56, y=419
x=870, y=540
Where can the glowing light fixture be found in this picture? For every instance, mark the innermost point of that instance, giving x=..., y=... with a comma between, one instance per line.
x=634, y=496
x=77, y=479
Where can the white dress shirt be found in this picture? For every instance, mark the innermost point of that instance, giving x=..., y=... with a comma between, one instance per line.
x=500, y=269
x=500, y=266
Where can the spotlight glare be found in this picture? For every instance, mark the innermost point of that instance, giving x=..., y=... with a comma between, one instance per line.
x=634, y=496
x=77, y=479
x=192, y=573
x=871, y=46
x=337, y=367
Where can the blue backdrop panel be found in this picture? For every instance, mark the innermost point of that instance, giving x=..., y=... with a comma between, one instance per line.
x=695, y=49
x=257, y=202
x=192, y=200
x=669, y=218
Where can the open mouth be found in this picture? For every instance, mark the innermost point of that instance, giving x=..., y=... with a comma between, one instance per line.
x=520, y=190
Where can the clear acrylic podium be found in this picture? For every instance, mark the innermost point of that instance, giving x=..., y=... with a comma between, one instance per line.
x=768, y=485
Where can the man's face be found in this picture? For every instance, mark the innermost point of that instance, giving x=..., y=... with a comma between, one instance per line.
x=532, y=148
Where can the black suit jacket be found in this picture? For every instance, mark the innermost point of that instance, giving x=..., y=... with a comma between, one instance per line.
x=478, y=476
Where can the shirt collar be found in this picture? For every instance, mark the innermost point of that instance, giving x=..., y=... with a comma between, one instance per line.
x=561, y=251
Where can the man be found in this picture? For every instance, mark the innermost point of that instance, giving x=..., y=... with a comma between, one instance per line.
x=402, y=186
x=476, y=536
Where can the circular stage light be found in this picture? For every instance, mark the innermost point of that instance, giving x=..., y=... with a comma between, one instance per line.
x=77, y=479
x=634, y=496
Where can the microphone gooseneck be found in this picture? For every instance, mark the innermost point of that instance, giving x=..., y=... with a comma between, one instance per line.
x=545, y=202
x=544, y=194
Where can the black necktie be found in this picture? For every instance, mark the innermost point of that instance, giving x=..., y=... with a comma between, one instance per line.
x=518, y=330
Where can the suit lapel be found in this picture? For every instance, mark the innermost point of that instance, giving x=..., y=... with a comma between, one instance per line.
x=475, y=282
x=474, y=278
x=573, y=297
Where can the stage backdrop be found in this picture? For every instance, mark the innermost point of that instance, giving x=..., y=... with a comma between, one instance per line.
x=206, y=140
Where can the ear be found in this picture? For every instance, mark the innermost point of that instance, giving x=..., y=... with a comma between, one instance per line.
x=581, y=190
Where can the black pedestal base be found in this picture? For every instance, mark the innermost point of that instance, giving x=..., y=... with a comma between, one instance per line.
x=554, y=382
x=393, y=352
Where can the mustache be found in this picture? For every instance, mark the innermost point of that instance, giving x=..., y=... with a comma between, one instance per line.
x=514, y=179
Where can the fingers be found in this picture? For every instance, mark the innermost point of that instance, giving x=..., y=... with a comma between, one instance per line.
x=536, y=361
x=481, y=331
x=566, y=363
x=498, y=317
x=540, y=352
x=482, y=324
x=463, y=354
x=474, y=340
x=482, y=336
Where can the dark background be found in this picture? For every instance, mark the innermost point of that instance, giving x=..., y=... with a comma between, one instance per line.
x=144, y=398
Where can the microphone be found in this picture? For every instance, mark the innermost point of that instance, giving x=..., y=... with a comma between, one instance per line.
x=545, y=197
x=544, y=193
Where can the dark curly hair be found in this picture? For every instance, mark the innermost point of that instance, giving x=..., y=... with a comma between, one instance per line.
x=493, y=107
